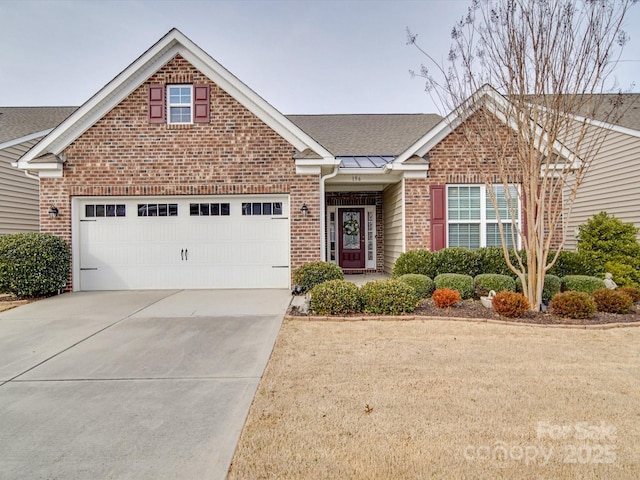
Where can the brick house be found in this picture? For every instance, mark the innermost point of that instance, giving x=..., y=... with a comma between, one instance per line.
x=177, y=175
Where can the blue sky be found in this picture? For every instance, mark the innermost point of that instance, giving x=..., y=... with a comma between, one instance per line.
x=305, y=56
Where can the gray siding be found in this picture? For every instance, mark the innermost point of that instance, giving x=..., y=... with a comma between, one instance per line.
x=612, y=184
x=392, y=202
x=19, y=204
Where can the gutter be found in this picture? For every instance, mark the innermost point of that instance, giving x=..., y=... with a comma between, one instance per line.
x=323, y=213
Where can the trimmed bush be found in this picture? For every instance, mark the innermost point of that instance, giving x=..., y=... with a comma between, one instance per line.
x=612, y=301
x=445, y=297
x=633, y=292
x=414, y=261
x=486, y=282
x=309, y=275
x=576, y=263
x=510, y=304
x=422, y=284
x=552, y=285
x=582, y=283
x=456, y=281
x=33, y=264
x=491, y=260
x=388, y=297
x=456, y=260
x=572, y=304
x=336, y=297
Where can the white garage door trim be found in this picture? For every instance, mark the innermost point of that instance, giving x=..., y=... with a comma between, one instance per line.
x=249, y=248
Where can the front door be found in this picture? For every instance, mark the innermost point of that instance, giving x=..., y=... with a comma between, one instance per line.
x=351, y=237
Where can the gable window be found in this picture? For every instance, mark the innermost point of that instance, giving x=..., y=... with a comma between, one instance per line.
x=179, y=106
x=472, y=219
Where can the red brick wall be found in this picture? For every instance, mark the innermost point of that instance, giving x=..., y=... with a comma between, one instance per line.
x=451, y=162
x=236, y=153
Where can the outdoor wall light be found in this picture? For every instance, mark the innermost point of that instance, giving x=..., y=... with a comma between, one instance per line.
x=53, y=212
x=304, y=209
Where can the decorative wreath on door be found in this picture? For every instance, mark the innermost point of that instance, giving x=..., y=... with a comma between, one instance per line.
x=351, y=227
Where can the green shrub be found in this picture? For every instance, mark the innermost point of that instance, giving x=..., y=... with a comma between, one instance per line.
x=456, y=281
x=414, y=261
x=582, y=283
x=309, y=275
x=486, y=282
x=624, y=275
x=491, y=260
x=422, y=284
x=552, y=285
x=573, y=305
x=33, y=264
x=335, y=297
x=510, y=304
x=575, y=263
x=456, y=260
x=445, y=297
x=388, y=297
x=609, y=238
x=633, y=292
x=612, y=301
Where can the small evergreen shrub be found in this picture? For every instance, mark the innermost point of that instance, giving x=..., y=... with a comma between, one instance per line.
x=552, y=285
x=486, y=282
x=422, y=284
x=633, y=292
x=309, y=275
x=624, y=275
x=582, y=283
x=414, y=261
x=491, y=260
x=388, y=297
x=575, y=263
x=457, y=260
x=609, y=237
x=612, y=301
x=445, y=297
x=335, y=297
x=572, y=304
x=510, y=304
x=456, y=281
x=33, y=264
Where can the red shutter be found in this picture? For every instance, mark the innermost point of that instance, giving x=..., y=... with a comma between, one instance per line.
x=156, y=104
x=438, y=217
x=201, y=103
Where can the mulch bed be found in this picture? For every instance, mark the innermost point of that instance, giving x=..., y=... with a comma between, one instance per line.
x=473, y=309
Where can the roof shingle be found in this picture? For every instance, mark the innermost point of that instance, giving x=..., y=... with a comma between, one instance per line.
x=17, y=122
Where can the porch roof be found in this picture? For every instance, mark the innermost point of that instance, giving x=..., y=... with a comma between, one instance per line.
x=366, y=161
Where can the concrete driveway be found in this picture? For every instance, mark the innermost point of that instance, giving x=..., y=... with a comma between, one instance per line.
x=142, y=384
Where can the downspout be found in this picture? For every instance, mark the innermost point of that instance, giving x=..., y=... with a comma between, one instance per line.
x=31, y=175
x=323, y=213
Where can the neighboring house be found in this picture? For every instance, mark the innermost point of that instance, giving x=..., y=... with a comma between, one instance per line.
x=20, y=129
x=178, y=175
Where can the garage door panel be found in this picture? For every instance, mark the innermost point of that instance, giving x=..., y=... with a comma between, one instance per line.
x=187, y=250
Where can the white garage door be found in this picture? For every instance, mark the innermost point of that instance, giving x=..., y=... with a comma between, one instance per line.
x=186, y=242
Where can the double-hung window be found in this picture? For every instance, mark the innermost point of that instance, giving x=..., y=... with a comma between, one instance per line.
x=473, y=220
x=179, y=103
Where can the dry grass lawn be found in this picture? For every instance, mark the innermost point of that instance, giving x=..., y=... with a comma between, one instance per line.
x=443, y=399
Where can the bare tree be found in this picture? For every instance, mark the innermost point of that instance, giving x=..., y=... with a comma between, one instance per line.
x=539, y=67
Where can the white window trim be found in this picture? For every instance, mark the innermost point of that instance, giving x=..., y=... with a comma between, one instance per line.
x=369, y=264
x=483, y=222
x=170, y=105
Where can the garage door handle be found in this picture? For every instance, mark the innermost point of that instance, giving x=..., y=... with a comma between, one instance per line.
x=186, y=254
x=182, y=254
